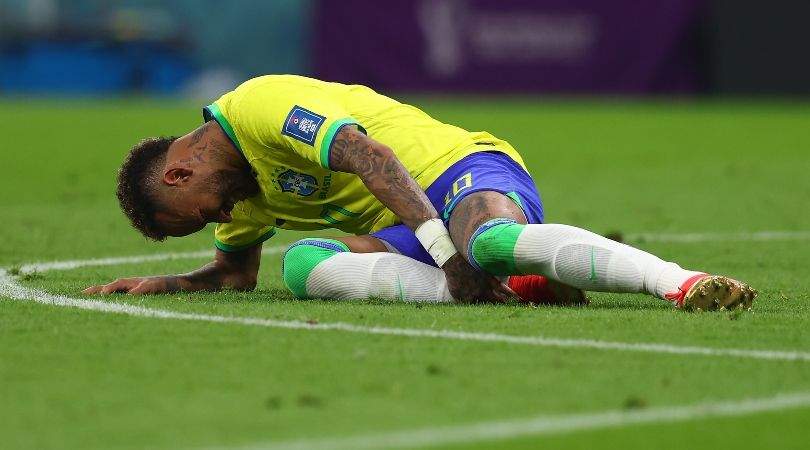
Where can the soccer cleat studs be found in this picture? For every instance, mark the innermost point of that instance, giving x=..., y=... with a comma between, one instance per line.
x=718, y=292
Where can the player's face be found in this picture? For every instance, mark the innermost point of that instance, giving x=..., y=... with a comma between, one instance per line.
x=206, y=200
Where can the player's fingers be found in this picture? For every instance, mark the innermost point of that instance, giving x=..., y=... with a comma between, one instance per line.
x=502, y=291
x=120, y=285
x=143, y=288
x=496, y=291
x=111, y=289
x=509, y=292
x=93, y=289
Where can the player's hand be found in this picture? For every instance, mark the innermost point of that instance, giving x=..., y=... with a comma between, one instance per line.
x=468, y=285
x=137, y=286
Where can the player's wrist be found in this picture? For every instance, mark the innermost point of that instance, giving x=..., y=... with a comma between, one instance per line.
x=433, y=235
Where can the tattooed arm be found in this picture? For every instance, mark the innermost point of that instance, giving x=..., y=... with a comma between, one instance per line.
x=237, y=271
x=388, y=180
x=383, y=175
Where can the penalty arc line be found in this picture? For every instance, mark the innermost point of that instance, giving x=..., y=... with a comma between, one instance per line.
x=540, y=425
x=13, y=290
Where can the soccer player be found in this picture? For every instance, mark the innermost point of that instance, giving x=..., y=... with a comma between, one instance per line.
x=438, y=213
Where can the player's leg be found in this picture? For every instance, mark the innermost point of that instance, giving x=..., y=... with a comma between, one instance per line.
x=484, y=227
x=353, y=267
x=495, y=171
x=392, y=265
x=400, y=239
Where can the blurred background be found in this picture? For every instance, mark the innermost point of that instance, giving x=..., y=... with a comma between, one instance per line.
x=201, y=48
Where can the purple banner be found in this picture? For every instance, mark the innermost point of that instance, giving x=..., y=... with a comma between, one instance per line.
x=555, y=46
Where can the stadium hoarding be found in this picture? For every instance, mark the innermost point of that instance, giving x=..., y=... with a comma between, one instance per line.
x=556, y=46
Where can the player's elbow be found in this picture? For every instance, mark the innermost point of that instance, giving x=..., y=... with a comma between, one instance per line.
x=244, y=283
x=239, y=282
x=383, y=152
x=237, y=278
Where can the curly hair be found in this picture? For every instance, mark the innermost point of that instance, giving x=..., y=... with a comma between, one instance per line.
x=137, y=185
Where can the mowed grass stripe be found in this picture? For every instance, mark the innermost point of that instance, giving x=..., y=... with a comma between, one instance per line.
x=543, y=425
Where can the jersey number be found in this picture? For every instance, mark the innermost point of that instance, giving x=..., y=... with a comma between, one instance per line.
x=462, y=183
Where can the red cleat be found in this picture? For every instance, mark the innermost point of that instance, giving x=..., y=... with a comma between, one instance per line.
x=537, y=289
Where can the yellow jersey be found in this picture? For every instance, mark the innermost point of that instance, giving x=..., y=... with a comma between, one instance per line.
x=284, y=125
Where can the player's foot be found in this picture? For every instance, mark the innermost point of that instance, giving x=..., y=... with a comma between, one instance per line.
x=710, y=292
x=538, y=289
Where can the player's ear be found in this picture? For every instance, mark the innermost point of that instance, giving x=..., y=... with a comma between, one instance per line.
x=177, y=176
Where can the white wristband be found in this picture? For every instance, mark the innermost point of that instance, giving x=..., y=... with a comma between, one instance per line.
x=436, y=239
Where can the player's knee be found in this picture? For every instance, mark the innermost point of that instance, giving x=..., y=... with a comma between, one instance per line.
x=302, y=257
x=492, y=247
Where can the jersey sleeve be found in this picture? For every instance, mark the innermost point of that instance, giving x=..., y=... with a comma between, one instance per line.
x=299, y=118
x=241, y=233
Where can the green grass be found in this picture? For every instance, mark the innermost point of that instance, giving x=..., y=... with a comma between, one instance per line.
x=71, y=378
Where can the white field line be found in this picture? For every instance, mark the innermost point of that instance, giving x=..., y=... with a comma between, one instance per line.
x=540, y=425
x=11, y=289
x=78, y=263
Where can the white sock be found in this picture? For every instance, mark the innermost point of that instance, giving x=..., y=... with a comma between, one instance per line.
x=380, y=275
x=592, y=262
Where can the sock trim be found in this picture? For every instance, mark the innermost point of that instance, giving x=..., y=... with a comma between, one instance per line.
x=516, y=198
x=296, y=272
x=486, y=226
x=329, y=244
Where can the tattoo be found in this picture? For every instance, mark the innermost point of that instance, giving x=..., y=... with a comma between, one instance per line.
x=383, y=175
x=478, y=208
x=196, y=137
x=197, y=154
x=345, y=142
x=467, y=217
x=204, y=148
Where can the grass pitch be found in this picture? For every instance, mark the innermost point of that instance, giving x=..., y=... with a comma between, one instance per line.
x=72, y=378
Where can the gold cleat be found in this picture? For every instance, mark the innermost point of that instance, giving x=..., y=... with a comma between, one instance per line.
x=713, y=292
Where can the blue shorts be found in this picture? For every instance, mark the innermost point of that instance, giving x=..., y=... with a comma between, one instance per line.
x=482, y=171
